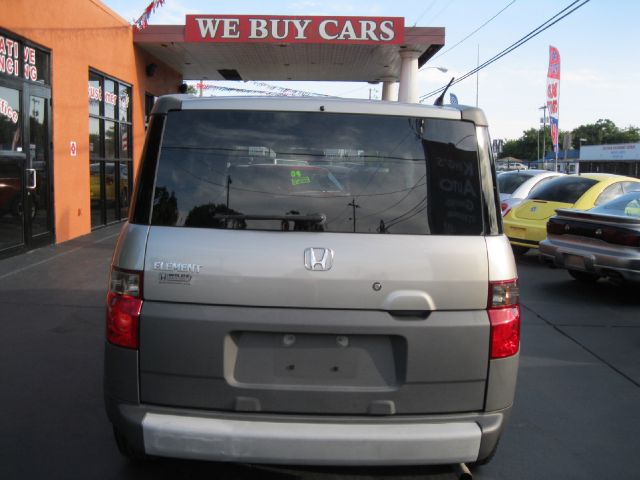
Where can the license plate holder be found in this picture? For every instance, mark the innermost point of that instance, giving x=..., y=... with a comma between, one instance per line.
x=314, y=360
x=518, y=232
x=575, y=262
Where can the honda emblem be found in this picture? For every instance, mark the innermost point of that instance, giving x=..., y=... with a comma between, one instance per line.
x=318, y=259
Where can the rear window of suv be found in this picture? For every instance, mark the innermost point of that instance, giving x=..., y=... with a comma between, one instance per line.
x=564, y=189
x=313, y=171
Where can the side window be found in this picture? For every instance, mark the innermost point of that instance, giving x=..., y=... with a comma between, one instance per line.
x=630, y=186
x=609, y=193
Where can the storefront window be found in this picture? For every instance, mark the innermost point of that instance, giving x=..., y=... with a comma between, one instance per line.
x=110, y=132
x=124, y=103
x=110, y=99
x=95, y=94
x=125, y=141
x=95, y=139
x=109, y=139
x=10, y=120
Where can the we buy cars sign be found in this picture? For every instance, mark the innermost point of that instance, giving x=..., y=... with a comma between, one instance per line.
x=290, y=29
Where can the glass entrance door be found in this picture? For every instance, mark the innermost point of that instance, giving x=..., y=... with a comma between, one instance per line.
x=12, y=163
x=38, y=214
x=25, y=179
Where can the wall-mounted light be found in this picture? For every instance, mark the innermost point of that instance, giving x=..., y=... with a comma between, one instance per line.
x=151, y=69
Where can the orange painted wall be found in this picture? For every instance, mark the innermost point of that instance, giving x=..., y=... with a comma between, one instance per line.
x=83, y=34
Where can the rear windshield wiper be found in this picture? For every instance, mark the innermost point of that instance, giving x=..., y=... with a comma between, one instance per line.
x=319, y=218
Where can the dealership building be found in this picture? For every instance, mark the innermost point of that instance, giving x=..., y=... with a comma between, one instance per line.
x=77, y=82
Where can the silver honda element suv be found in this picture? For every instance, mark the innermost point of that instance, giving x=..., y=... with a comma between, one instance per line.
x=312, y=281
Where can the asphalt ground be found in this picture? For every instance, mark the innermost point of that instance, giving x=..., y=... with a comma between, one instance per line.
x=576, y=414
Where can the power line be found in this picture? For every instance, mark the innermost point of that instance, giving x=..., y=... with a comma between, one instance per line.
x=538, y=30
x=425, y=11
x=475, y=31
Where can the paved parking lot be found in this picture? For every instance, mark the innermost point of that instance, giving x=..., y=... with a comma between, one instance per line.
x=577, y=406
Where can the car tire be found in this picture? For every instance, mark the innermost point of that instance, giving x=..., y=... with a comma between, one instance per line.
x=125, y=448
x=519, y=250
x=584, y=277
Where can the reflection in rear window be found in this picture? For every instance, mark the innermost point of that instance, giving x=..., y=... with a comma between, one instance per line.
x=563, y=189
x=309, y=171
x=508, y=182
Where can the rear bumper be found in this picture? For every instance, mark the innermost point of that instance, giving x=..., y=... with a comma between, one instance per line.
x=526, y=234
x=300, y=440
x=600, y=260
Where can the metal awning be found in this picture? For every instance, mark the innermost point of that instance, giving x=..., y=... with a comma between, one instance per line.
x=286, y=61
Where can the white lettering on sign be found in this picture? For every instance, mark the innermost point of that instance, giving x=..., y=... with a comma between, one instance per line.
x=30, y=71
x=386, y=28
x=7, y=111
x=209, y=27
x=322, y=30
x=289, y=29
x=95, y=93
x=9, y=56
x=110, y=98
x=258, y=28
x=301, y=27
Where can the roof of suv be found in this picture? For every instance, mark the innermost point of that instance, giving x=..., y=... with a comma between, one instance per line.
x=323, y=104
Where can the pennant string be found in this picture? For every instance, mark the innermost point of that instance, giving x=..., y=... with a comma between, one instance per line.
x=142, y=22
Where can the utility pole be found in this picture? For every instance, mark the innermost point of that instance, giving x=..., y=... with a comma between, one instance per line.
x=353, y=205
x=229, y=182
x=544, y=131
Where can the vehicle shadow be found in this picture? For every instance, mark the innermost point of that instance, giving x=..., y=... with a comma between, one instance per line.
x=171, y=469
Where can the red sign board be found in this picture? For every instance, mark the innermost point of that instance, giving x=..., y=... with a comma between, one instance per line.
x=290, y=29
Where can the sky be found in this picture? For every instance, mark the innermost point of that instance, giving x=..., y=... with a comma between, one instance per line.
x=599, y=45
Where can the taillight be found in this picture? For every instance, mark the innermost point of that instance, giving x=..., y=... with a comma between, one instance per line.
x=124, y=303
x=619, y=237
x=504, y=316
x=556, y=227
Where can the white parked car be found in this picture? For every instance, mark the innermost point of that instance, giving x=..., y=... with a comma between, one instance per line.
x=515, y=186
x=509, y=166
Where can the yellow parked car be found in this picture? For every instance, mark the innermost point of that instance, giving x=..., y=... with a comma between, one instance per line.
x=526, y=224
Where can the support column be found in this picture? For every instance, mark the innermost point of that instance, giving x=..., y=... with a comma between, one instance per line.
x=387, y=88
x=408, y=91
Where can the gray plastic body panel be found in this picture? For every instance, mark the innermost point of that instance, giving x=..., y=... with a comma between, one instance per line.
x=130, y=249
x=501, y=385
x=121, y=379
x=193, y=356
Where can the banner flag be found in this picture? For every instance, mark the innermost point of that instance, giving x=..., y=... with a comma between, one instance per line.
x=553, y=94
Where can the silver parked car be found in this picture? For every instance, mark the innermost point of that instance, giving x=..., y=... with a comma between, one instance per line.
x=312, y=281
x=515, y=186
x=601, y=242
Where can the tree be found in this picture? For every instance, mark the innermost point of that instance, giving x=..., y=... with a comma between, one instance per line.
x=602, y=132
